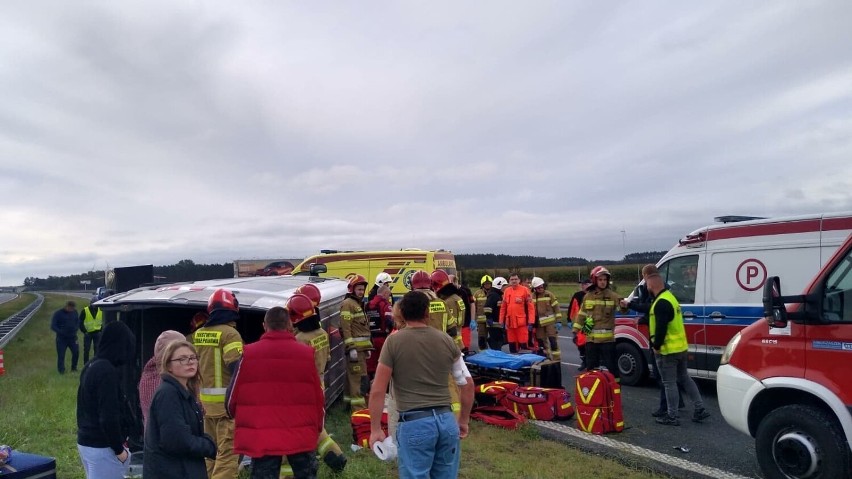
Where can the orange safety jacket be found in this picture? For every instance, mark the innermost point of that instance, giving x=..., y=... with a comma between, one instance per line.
x=517, y=309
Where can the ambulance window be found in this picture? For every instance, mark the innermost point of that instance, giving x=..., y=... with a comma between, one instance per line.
x=837, y=303
x=681, y=275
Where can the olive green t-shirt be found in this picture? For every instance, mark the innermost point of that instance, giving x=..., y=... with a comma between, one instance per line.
x=422, y=360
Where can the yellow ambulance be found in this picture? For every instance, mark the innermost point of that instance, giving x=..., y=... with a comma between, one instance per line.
x=400, y=265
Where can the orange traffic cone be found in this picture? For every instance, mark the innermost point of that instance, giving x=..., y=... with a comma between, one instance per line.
x=2, y=368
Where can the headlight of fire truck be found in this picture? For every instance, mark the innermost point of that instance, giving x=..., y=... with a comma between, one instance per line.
x=729, y=349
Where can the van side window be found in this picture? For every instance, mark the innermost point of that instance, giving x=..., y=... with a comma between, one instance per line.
x=681, y=275
x=837, y=302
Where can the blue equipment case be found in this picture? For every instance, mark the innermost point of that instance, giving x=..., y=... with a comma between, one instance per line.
x=28, y=466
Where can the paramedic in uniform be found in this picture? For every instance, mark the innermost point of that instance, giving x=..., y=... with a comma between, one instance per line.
x=303, y=312
x=355, y=329
x=517, y=313
x=596, y=319
x=219, y=347
x=479, y=298
x=548, y=319
x=443, y=286
x=492, y=313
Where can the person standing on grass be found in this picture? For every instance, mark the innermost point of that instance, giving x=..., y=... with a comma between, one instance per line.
x=277, y=402
x=151, y=375
x=101, y=405
x=64, y=324
x=416, y=362
x=175, y=442
x=91, y=323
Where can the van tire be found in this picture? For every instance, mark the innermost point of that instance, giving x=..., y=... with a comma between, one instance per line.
x=632, y=367
x=808, y=427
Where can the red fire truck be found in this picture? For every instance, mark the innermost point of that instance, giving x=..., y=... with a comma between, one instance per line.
x=786, y=380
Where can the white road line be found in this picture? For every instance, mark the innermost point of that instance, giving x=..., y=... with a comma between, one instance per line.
x=640, y=451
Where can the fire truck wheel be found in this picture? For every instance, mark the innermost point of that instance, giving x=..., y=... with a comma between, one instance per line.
x=631, y=364
x=799, y=441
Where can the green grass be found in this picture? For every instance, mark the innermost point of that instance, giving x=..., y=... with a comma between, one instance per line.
x=11, y=307
x=38, y=408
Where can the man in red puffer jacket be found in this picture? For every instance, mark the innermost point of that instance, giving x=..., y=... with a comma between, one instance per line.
x=277, y=402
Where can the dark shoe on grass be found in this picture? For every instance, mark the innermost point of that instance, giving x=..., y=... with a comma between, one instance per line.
x=668, y=421
x=700, y=415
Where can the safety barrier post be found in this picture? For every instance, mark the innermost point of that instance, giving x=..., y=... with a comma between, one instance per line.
x=2, y=368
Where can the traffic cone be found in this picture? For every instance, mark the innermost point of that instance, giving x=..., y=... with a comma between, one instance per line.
x=2, y=368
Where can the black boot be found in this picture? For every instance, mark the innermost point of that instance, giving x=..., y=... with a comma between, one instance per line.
x=582, y=364
x=337, y=462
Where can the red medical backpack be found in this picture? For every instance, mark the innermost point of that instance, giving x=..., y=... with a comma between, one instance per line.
x=598, y=398
x=544, y=404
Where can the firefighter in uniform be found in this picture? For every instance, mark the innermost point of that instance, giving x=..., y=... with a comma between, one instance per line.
x=492, y=313
x=438, y=319
x=596, y=319
x=355, y=329
x=304, y=313
x=448, y=292
x=548, y=320
x=219, y=347
x=517, y=313
x=479, y=308
x=574, y=308
x=91, y=323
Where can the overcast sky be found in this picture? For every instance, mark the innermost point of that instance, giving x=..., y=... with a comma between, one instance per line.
x=150, y=132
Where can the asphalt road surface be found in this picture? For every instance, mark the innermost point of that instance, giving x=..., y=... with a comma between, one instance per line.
x=7, y=297
x=711, y=443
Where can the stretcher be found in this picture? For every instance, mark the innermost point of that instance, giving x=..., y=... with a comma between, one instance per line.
x=524, y=369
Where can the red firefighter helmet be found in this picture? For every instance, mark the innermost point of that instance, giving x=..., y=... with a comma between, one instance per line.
x=222, y=299
x=198, y=320
x=355, y=281
x=299, y=307
x=598, y=271
x=311, y=291
x=421, y=280
x=439, y=279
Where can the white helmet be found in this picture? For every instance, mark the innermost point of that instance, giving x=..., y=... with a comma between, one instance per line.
x=536, y=282
x=499, y=282
x=383, y=278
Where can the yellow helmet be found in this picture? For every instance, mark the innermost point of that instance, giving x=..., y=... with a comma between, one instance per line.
x=485, y=279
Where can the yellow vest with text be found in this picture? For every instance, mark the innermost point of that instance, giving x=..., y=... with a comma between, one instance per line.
x=675, y=341
x=218, y=347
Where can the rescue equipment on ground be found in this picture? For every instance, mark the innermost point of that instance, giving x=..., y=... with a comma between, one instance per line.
x=360, y=421
x=498, y=416
x=524, y=369
x=543, y=404
x=598, y=402
x=492, y=393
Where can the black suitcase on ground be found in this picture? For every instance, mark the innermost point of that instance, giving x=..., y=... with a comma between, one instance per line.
x=28, y=466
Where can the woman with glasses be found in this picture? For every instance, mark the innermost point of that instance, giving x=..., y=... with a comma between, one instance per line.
x=175, y=442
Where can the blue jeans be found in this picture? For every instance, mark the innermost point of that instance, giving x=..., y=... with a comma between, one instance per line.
x=429, y=448
x=102, y=463
x=673, y=372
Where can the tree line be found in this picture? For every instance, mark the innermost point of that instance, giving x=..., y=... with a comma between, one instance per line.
x=188, y=270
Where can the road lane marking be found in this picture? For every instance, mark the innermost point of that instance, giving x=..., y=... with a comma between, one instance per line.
x=640, y=451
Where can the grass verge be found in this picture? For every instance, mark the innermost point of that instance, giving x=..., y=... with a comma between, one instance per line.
x=39, y=416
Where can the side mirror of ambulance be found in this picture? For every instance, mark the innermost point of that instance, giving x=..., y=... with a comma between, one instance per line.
x=774, y=311
x=317, y=269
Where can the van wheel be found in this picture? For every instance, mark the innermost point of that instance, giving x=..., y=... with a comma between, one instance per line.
x=799, y=441
x=631, y=364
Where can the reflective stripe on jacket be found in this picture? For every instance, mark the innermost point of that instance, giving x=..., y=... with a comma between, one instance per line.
x=675, y=340
x=547, y=308
x=479, y=300
x=218, y=347
x=92, y=323
x=600, y=305
x=354, y=326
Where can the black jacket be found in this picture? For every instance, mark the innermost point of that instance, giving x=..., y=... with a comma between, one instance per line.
x=100, y=402
x=64, y=324
x=175, y=443
x=492, y=307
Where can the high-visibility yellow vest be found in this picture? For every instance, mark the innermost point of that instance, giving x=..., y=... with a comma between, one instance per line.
x=675, y=341
x=92, y=323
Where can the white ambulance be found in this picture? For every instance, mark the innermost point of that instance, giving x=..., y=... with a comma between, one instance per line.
x=717, y=274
